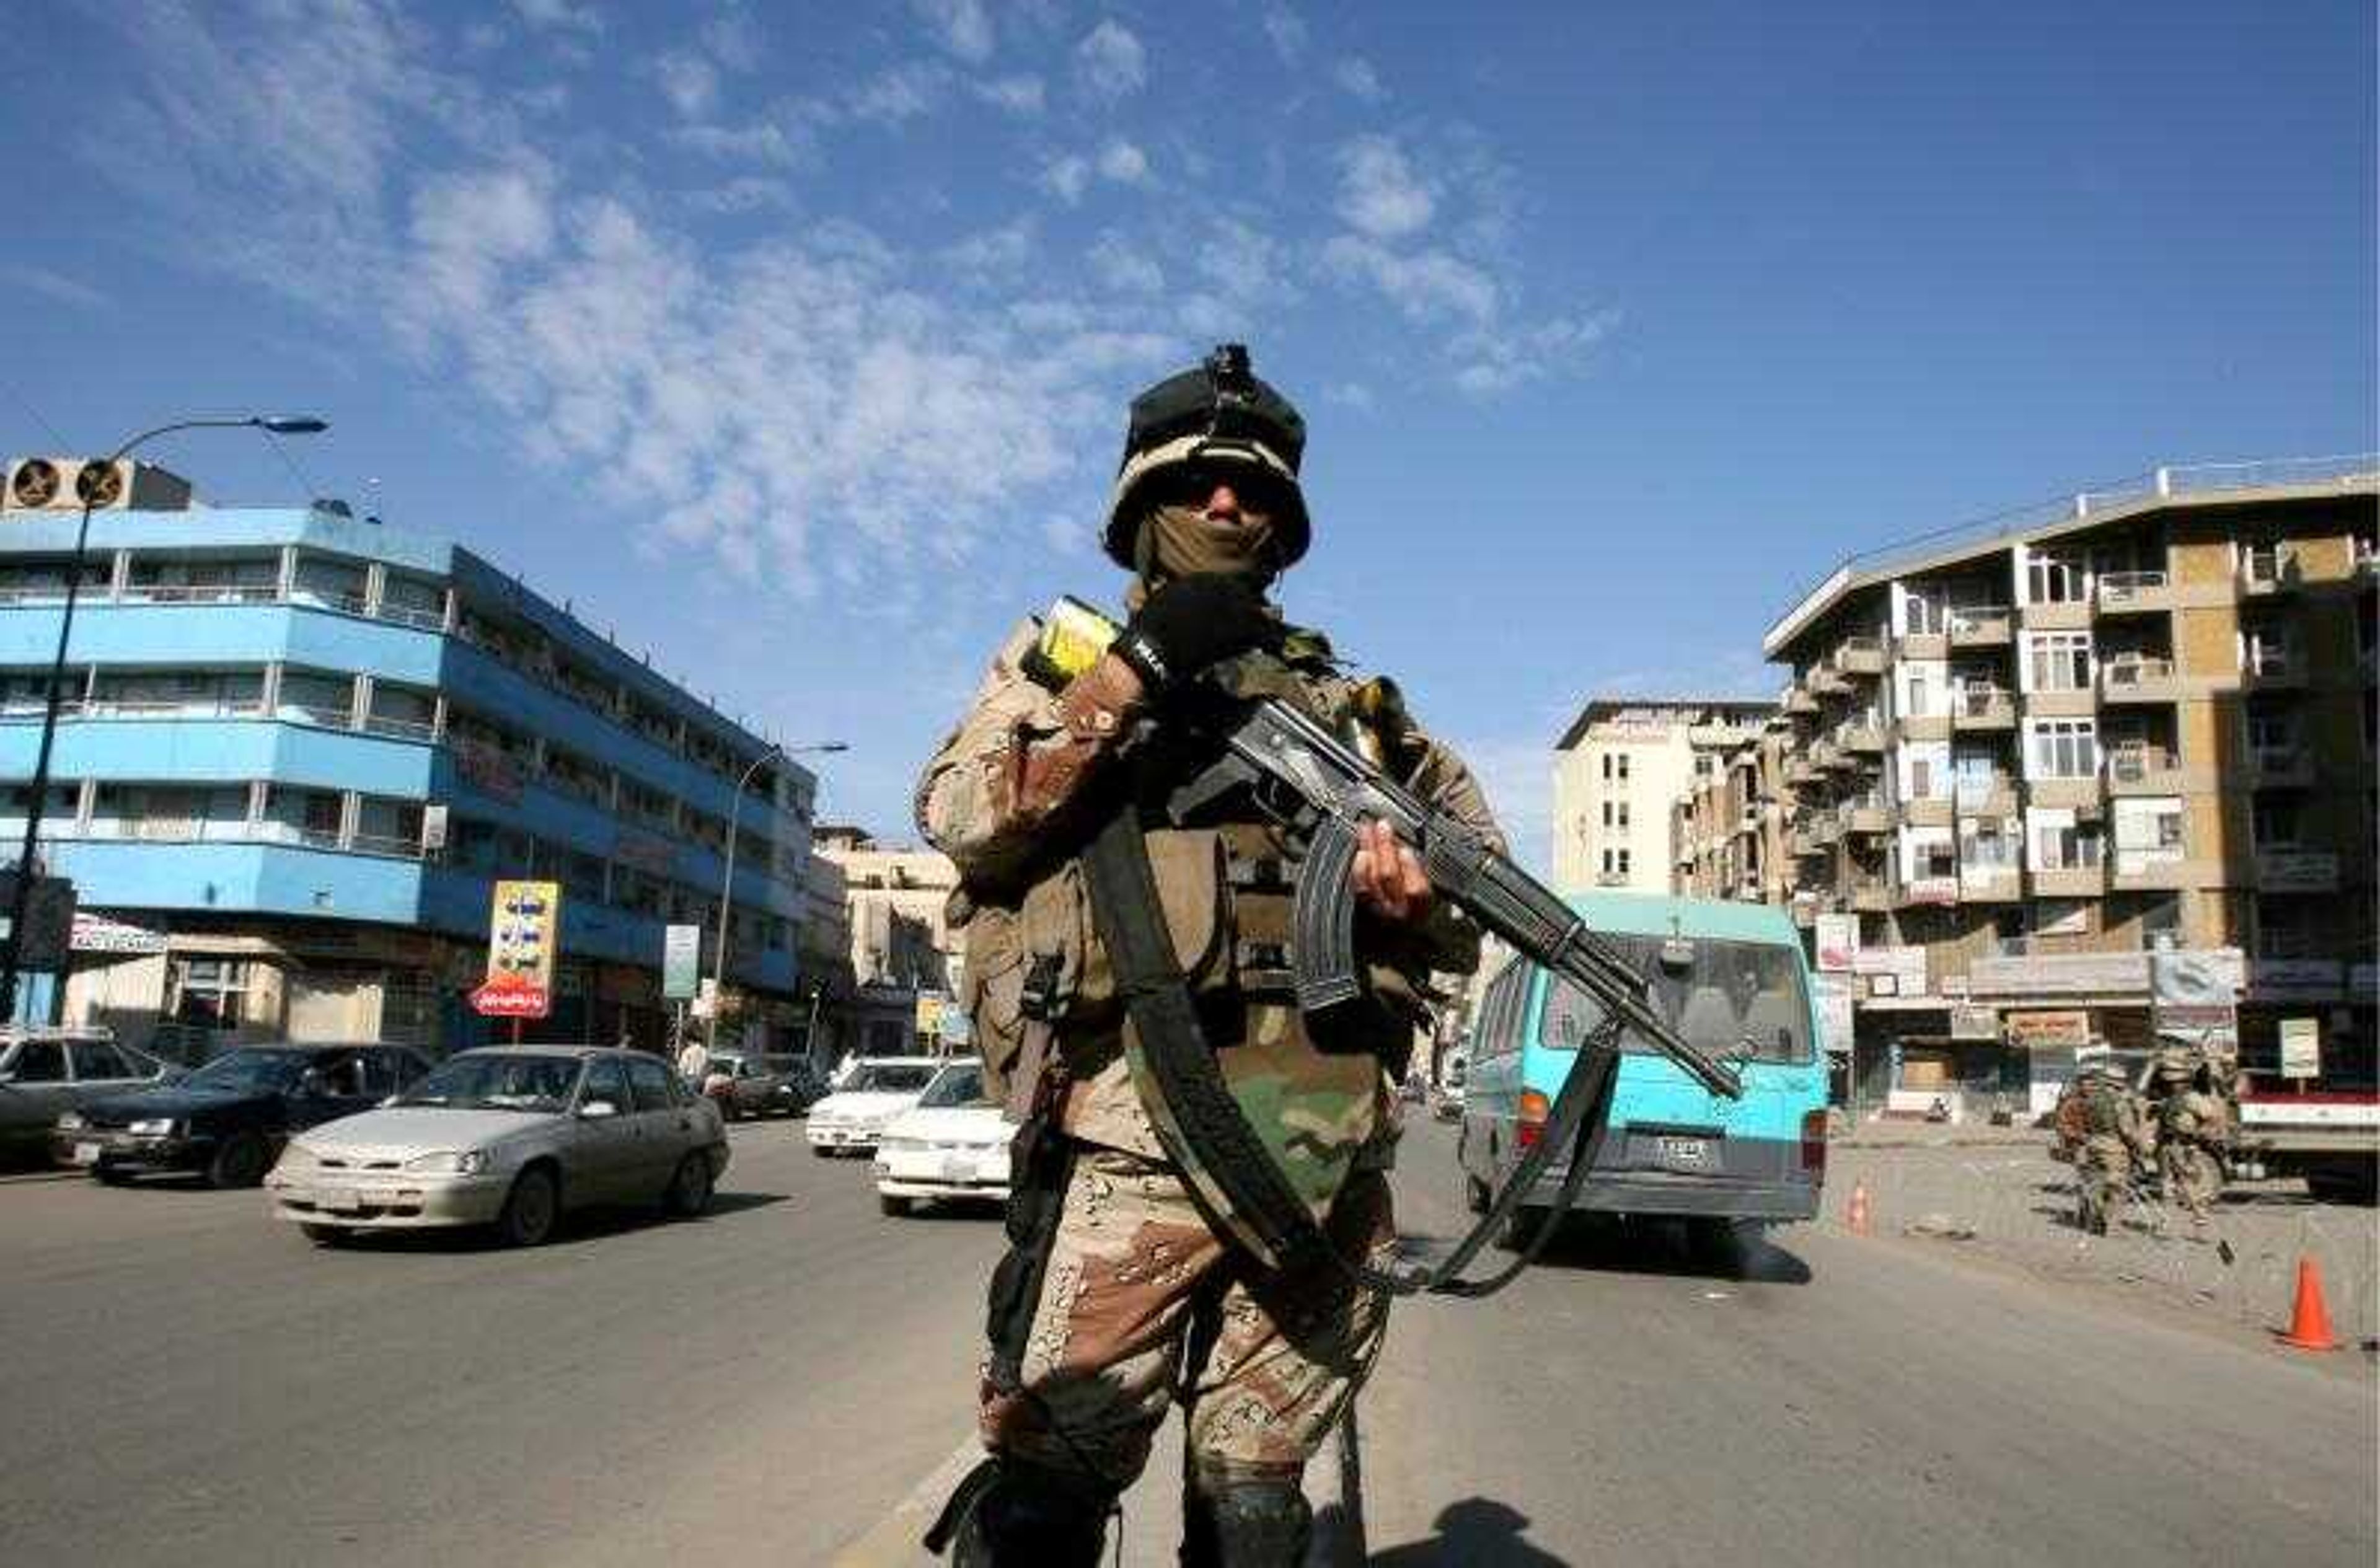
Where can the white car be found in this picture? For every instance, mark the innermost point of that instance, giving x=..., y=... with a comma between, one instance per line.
x=851, y=1119
x=954, y=1144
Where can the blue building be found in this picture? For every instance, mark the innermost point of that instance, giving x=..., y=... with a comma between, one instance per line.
x=297, y=747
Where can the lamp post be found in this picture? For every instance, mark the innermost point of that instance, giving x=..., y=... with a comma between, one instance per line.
x=12, y=963
x=727, y=881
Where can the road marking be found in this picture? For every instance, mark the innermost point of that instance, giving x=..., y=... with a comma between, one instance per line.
x=897, y=1541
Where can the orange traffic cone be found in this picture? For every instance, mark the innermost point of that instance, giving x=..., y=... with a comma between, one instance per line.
x=2310, y=1318
x=1859, y=1208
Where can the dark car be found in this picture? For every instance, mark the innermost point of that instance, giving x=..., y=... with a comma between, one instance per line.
x=45, y=1073
x=228, y=1119
x=758, y=1086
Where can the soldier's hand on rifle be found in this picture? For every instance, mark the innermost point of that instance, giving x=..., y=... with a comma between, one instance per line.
x=1387, y=877
x=1191, y=623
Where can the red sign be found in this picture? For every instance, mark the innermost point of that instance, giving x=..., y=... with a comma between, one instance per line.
x=512, y=996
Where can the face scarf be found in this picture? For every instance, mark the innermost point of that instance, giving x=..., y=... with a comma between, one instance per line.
x=1181, y=541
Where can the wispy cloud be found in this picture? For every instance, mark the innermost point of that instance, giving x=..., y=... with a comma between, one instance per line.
x=1379, y=194
x=688, y=82
x=1356, y=77
x=963, y=26
x=54, y=286
x=1110, y=61
x=560, y=16
x=1286, y=29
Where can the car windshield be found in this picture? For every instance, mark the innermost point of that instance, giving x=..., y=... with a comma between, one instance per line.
x=1741, y=1000
x=955, y=1087
x=249, y=1071
x=498, y=1083
x=895, y=1078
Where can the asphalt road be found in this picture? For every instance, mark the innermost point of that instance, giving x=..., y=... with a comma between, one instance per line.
x=190, y=1383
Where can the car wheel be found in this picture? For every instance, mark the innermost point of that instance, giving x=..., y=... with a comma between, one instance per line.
x=1475, y=1195
x=689, y=1189
x=531, y=1209
x=324, y=1236
x=111, y=1176
x=892, y=1208
x=240, y=1162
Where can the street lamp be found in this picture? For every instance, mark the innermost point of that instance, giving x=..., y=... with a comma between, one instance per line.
x=727, y=882
x=275, y=424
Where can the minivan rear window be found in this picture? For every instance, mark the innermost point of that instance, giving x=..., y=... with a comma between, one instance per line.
x=1741, y=1000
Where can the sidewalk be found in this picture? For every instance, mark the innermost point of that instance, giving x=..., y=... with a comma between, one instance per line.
x=2006, y=1198
x=1900, y=1134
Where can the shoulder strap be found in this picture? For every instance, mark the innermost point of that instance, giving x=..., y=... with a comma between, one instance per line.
x=1207, y=1134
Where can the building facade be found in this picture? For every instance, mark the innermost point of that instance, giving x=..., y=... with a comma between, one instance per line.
x=903, y=950
x=2020, y=779
x=1617, y=771
x=296, y=749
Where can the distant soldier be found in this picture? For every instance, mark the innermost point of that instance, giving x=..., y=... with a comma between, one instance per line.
x=2115, y=1138
x=2194, y=1129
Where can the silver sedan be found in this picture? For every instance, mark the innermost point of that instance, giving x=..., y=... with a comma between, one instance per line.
x=508, y=1137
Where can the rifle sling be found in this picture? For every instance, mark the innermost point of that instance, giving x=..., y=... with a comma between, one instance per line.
x=1130, y=924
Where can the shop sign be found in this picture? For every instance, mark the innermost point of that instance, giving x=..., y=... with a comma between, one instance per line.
x=2059, y=974
x=1974, y=1023
x=681, y=961
x=930, y=1013
x=1930, y=890
x=2068, y=1028
x=97, y=933
x=2303, y=872
x=1838, y=942
x=1835, y=1017
x=1905, y=966
x=2300, y=1048
x=524, y=930
x=433, y=829
x=2296, y=979
x=2197, y=977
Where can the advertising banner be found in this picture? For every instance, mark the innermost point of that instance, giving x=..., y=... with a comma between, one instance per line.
x=1835, y=1016
x=681, y=961
x=1838, y=942
x=97, y=933
x=524, y=929
x=2300, y=1048
x=2067, y=1028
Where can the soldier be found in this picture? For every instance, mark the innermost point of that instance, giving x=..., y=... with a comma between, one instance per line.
x=1119, y=1294
x=2114, y=1136
x=2191, y=1131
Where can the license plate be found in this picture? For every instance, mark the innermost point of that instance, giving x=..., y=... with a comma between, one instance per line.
x=338, y=1202
x=958, y=1167
x=1685, y=1154
x=86, y=1154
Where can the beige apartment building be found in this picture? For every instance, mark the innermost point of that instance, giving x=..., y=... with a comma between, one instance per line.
x=2034, y=789
x=1619, y=770
x=904, y=959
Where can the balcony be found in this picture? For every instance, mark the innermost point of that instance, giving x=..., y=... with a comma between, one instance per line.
x=1982, y=626
x=1861, y=656
x=2060, y=702
x=2069, y=881
x=1868, y=815
x=1923, y=645
x=2057, y=615
x=2273, y=666
x=2139, y=677
x=2085, y=790
x=2268, y=571
x=1799, y=701
x=1929, y=811
x=1995, y=796
x=1805, y=843
x=2143, y=769
x=1863, y=739
x=1828, y=681
x=2153, y=870
x=1827, y=755
x=1922, y=727
x=1989, y=884
x=2134, y=593
x=2280, y=767
x=1871, y=897
x=2296, y=870
x=1979, y=708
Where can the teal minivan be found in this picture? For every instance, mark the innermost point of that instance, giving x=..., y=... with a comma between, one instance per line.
x=1733, y=978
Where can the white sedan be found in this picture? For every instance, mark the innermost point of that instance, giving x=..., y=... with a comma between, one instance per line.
x=954, y=1145
x=851, y=1119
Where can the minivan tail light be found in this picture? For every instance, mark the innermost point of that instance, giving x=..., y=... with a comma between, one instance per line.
x=1531, y=1124
x=1813, y=1143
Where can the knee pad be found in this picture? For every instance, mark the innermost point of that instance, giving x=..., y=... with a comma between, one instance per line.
x=1246, y=1524
x=1008, y=1514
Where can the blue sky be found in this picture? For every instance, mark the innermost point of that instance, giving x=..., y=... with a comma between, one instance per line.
x=793, y=342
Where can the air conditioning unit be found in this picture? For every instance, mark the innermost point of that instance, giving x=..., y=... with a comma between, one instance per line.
x=67, y=484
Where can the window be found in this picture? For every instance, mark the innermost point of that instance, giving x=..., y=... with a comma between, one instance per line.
x=1918, y=693
x=1615, y=862
x=2161, y=923
x=2058, y=660
x=1923, y=611
x=2064, y=749
x=2054, y=579
x=2059, y=846
x=1937, y=858
x=2274, y=822
x=650, y=1083
x=41, y=1062
x=2267, y=647
x=1985, y=846
x=2271, y=729
x=96, y=1061
x=209, y=993
x=2264, y=560
x=606, y=1082
x=1615, y=813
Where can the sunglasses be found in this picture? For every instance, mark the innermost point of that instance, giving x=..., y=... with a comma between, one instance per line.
x=1192, y=484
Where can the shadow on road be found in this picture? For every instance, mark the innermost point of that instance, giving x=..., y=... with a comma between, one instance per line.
x=1475, y=1530
x=1668, y=1247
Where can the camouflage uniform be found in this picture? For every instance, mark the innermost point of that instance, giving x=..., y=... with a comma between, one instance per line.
x=2113, y=1136
x=1118, y=1297
x=2191, y=1128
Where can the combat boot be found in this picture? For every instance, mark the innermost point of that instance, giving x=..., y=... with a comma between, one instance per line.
x=1246, y=1524
x=1006, y=1513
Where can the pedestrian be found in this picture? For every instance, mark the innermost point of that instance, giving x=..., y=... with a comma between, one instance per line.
x=2115, y=1139
x=2193, y=1133
x=693, y=1063
x=1119, y=1294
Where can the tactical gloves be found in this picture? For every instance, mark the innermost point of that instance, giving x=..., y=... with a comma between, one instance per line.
x=1191, y=623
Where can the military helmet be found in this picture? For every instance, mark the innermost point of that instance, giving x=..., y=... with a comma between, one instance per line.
x=2172, y=1062
x=1219, y=412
